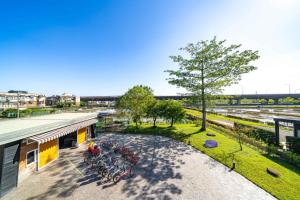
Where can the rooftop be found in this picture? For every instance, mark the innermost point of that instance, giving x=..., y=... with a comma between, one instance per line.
x=288, y=119
x=16, y=129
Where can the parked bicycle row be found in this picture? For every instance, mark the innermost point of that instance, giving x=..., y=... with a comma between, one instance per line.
x=111, y=160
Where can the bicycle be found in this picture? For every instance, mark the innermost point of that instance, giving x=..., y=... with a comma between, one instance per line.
x=126, y=171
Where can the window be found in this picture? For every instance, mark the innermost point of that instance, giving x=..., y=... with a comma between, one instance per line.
x=298, y=133
x=31, y=157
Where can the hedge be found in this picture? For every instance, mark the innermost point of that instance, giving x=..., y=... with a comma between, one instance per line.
x=293, y=144
x=263, y=135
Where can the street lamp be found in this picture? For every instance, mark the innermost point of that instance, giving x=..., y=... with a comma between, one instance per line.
x=289, y=87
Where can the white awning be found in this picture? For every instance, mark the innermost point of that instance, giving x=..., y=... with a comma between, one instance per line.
x=51, y=135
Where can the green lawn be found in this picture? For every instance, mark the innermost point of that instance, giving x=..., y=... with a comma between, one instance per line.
x=222, y=117
x=250, y=163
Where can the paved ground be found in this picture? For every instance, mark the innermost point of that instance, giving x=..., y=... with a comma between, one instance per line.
x=168, y=170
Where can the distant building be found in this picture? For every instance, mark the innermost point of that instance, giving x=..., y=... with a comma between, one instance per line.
x=26, y=100
x=64, y=98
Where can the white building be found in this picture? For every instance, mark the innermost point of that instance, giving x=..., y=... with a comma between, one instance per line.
x=24, y=99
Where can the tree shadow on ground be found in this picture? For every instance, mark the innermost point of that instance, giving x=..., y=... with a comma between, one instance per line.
x=224, y=157
x=156, y=171
x=64, y=185
x=155, y=175
x=283, y=163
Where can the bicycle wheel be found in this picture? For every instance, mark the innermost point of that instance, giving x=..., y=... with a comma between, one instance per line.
x=85, y=160
x=104, y=173
x=116, y=178
x=100, y=170
x=109, y=176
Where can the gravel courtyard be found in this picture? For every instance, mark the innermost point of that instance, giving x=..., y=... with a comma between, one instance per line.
x=168, y=170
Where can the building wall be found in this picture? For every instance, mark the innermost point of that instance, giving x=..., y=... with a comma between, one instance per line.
x=64, y=98
x=23, y=151
x=81, y=137
x=9, y=166
x=28, y=100
x=48, y=152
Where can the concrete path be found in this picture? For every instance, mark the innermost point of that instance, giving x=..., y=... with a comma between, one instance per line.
x=168, y=170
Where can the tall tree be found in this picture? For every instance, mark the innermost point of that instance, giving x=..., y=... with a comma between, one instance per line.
x=209, y=67
x=135, y=102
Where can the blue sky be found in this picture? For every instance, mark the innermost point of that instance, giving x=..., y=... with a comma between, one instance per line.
x=105, y=47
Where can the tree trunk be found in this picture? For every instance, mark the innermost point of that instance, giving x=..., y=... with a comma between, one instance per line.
x=136, y=122
x=240, y=141
x=154, y=122
x=172, y=121
x=203, y=128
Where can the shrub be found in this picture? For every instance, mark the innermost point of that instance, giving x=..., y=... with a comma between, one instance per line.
x=25, y=113
x=11, y=112
x=265, y=136
x=293, y=144
x=272, y=150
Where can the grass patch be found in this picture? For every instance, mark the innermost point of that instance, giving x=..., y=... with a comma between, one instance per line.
x=222, y=117
x=249, y=162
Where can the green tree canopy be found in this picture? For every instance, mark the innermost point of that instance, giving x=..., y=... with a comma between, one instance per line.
x=135, y=102
x=209, y=66
x=172, y=111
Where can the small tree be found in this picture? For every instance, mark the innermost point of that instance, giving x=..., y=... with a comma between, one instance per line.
x=83, y=103
x=287, y=100
x=135, y=102
x=209, y=67
x=172, y=110
x=155, y=111
x=263, y=101
x=271, y=101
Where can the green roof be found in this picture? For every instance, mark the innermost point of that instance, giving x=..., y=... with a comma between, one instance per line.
x=17, y=129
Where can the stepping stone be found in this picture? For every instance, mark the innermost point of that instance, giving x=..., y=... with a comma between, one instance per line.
x=211, y=143
x=211, y=134
x=273, y=172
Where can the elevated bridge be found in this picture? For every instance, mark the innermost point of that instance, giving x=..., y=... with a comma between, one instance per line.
x=232, y=98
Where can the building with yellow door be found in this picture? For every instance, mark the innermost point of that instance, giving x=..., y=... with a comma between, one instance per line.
x=33, y=143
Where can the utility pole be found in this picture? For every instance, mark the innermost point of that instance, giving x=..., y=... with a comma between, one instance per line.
x=18, y=105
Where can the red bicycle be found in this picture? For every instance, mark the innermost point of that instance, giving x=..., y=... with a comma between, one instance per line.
x=127, y=171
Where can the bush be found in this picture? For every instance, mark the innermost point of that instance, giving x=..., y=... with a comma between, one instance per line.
x=25, y=113
x=293, y=144
x=265, y=136
x=272, y=150
x=11, y=112
x=290, y=157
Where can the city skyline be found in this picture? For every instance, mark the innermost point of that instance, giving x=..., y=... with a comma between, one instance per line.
x=99, y=48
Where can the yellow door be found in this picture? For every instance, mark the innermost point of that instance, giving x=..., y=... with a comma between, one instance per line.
x=81, y=137
x=48, y=152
